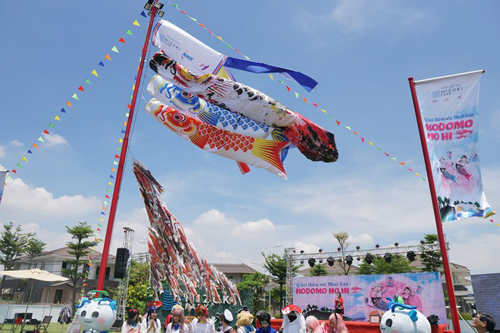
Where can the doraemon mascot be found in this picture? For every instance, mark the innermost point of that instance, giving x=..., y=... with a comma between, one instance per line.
x=97, y=315
x=401, y=318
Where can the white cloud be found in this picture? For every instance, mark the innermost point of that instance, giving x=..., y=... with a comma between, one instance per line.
x=54, y=140
x=256, y=228
x=23, y=202
x=359, y=16
x=16, y=143
x=307, y=248
x=3, y=151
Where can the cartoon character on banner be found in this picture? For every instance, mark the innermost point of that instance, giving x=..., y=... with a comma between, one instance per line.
x=392, y=285
x=97, y=315
x=403, y=318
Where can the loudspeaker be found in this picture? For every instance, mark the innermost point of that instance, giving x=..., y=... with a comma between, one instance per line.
x=122, y=255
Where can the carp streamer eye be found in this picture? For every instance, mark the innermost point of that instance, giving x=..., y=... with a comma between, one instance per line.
x=179, y=117
x=186, y=94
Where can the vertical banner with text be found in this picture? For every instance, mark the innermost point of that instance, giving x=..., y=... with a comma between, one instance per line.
x=449, y=111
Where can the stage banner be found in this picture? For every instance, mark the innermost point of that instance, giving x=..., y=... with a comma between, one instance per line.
x=3, y=174
x=365, y=295
x=449, y=111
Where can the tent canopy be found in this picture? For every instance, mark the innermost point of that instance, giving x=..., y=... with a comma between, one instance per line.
x=35, y=274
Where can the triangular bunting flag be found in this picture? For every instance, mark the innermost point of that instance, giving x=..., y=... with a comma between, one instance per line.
x=288, y=88
x=272, y=77
x=102, y=213
x=105, y=202
x=124, y=123
x=119, y=148
x=129, y=106
x=101, y=63
x=51, y=125
x=94, y=73
x=57, y=118
x=46, y=132
x=107, y=57
x=143, y=14
x=87, y=81
x=128, y=32
x=113, y=169
x=121, y=140
x=136, y=23
x=114, y=49
x=122, y=40
x=34, y=145
x=115, y=163
x=111, y=176
x=19, y=165
x=14, y=171
x=362, y=139
x=296, y=95
x=80, y=88
x=394, y=159
x=100, y=225
x=69, y=104
x=370, y=143
x=324, y=111
x=117, y=156
x=63, y=111
x=305, y=100
x=316, y=105
x=123, y=131
x=101, y=219
x=104, y=208
x=98, y=229
x=75, y=96
x=29, y=152
x=338, y=122
x=40, y=139
x=110, y=183
x=402, y=163
x=24, y=159
x=348, y=128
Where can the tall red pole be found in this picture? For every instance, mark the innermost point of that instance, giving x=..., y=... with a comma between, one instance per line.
x=437, y=215
x=119, y=173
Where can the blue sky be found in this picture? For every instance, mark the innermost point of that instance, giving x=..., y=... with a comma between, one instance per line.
x=360, y=52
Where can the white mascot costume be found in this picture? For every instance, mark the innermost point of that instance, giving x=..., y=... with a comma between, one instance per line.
x=293, y=320
x=401, y=318
x=97, y=315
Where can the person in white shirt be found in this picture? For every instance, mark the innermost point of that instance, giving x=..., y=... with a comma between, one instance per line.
x=178, y=325
x=132, y=324
x=201, y=324
x=151, y=323
x=293, y=320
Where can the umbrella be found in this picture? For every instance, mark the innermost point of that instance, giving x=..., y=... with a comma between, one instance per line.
x=34, y=274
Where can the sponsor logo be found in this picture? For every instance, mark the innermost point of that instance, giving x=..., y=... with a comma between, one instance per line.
x=185, y=55
x=447, y=91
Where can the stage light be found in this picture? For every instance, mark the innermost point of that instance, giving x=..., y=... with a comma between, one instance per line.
x=369, y=259
x=411, y=255
x=358, y=247
x=358, y=258
x=377, y=246
x=148, y=5
x=158, y=5
x=293, y=251
x=388, y=257
x=338, y=249
x=330, y=261
x=311, y=262
x=161, y=13
x=348, y=260
x=301, y=251
x=320, y=250
x=422, y=242
x=396, y=244
x=321, y=261
x=302, y=262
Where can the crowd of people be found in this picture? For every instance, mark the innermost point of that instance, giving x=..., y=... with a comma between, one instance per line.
x=293, y=322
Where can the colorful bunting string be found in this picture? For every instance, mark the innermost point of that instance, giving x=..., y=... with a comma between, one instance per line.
x=297, y=95
x=23, y=160
x=109, y=189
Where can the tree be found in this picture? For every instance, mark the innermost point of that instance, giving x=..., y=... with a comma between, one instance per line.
x=12, y=246
x=257, y=283
x=318, y=270
x=139, y=289
x=79, y=249
x=341, y=238
x=398, y=264
x=34, y=248
x=431, y=259
x=276, y=266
